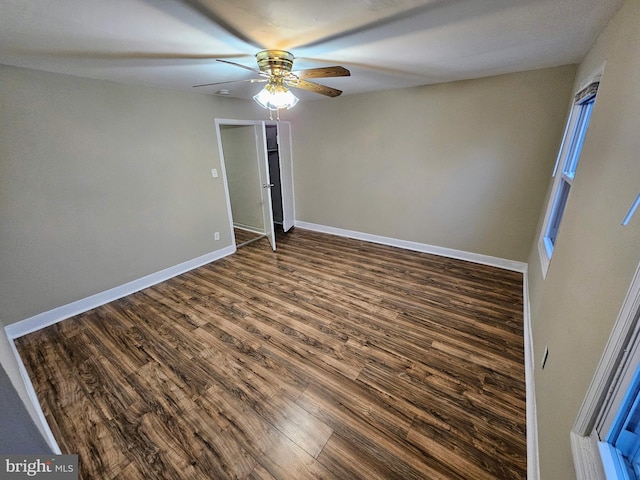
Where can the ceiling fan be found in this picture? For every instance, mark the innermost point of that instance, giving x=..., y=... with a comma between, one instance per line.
x=275, y=68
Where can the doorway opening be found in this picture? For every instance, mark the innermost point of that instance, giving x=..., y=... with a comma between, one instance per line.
x=273, y=158
x=256, y=160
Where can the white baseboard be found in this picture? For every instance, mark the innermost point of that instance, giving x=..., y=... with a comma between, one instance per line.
x=418, y=247
x=56, y=315
x=42, y=320
x=248, y=228
x=533, y=466
x=533, y=457
x=33, y=397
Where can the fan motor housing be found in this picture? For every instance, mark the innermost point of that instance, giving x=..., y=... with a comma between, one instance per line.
x=275, y=62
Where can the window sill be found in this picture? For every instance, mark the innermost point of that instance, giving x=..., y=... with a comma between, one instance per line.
x=545, y=258
x=586, y=458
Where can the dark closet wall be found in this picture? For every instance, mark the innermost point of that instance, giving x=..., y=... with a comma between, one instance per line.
x=18, y=433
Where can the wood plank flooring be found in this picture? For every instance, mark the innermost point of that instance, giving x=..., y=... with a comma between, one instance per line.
x=244, y=237
x=330, y=358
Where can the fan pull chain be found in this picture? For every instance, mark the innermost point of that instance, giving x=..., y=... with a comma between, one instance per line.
x=277, y=114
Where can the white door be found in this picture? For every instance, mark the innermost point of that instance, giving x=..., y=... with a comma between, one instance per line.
x=265, y=182
x=286, y=174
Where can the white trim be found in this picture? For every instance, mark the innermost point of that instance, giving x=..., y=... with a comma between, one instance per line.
x=545, y=247
x=586, y=458
x=609, y=362
x=58, y=314
x=286, y=172
x=262, y=159
x=248, y=228
x=543, y=251
x=564, y=140
x=418, y=247
x=49, y=438
x=545, y=260
x=533, y=458
x=223, y=169
x=594, y=76
x=533, y=465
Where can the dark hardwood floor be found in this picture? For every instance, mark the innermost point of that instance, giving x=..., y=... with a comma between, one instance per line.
x=329, y=358
x=244, y=237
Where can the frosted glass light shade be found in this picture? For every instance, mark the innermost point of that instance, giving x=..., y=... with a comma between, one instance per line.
x=274, y=97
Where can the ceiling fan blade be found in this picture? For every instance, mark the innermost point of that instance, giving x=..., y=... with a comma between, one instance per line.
x=323, y=72
x=252, y=80
x=133, y=56
x=241, y=66
x=202, y=16
x=316, y=88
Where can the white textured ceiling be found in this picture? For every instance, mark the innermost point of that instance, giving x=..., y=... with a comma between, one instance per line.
x=385, y=43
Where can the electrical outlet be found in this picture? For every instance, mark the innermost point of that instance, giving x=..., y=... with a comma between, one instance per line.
x=216, y=236
x=545, y=355
x=214, y=172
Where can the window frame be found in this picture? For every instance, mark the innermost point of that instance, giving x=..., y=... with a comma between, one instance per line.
x=619, y=445
x=565, y=170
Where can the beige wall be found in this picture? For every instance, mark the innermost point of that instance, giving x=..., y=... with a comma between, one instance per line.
x=574, y=309
x=243, y=178
x=102, y=184
x=460, y=165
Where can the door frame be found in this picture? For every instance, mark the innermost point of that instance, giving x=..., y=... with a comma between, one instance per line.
x=223, y=170
x=286, y=167
x=285, y=159
x=265, y=182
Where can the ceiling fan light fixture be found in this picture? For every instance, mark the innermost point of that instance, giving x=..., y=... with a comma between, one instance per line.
x=275, y=68
x=275, y=96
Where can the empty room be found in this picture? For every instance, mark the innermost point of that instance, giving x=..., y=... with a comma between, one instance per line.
x=340, y=239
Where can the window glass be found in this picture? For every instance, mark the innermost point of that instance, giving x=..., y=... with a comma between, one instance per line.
x=565, y=171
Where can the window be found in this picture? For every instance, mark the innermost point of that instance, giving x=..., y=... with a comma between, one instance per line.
x=565, y=170
x=608, y=407
x=620, y=451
